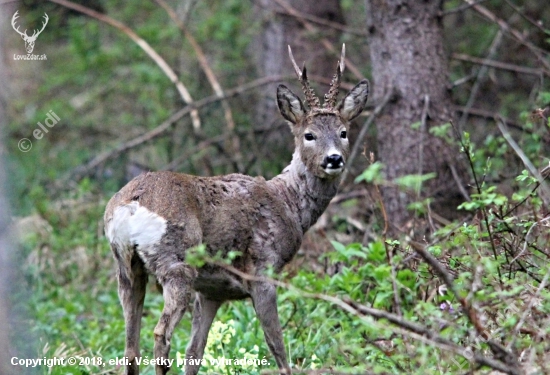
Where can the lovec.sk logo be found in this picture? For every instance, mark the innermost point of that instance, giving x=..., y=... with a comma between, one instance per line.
x=29, y=40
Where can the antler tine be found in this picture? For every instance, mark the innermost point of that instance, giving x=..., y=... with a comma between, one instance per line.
x=296, y=68
x=46, y=19
x=311, y=98
x=13, y=20
x=343, y=59
x=330, y=97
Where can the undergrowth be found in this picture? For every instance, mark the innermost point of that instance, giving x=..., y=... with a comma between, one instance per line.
x=470, y=297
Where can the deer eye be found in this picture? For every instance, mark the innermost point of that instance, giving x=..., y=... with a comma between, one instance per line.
x=309, y=137
x=343, y=134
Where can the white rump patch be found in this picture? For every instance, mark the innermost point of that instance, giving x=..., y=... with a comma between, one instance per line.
x=133, y=224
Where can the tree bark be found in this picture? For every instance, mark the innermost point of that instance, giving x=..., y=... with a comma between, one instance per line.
x=278, y=31
x=407, y=54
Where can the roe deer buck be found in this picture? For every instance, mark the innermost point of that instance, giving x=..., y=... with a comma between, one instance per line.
x=158, y=215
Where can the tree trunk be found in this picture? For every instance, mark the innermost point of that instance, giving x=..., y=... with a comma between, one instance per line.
x=280, y=30
x=407, y=54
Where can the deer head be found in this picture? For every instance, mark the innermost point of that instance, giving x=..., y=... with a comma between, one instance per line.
x=320, y=132
x=29, y=40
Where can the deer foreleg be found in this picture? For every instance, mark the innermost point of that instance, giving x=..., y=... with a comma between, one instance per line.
x=264, y=297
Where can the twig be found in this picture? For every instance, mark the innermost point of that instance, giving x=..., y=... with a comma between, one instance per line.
x=526, y=243
x=323, y=22
x=210, y=76
x=460, y=8
x=528, y=19
x=491, y=115
x=326, y=43
x=360, y=311
x=480, y=75
x=423, y=118
x=81, y=171
x=528, y=164
x=498, y=64
x=458, y=181
x=389, y=95
x=527, y=311
x=467, y=152
x=516, y=34
x=339, y=198
x=144, y=46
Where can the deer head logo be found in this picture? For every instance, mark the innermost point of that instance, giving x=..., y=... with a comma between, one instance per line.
x=29, y=40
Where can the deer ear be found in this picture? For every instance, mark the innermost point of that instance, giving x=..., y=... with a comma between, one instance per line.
x=290, y=105
x=355, y=101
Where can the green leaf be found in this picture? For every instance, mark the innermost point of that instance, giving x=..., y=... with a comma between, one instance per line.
x=413, y=181
x=373, y=174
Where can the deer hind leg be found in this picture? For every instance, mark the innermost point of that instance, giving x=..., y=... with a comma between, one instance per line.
x=264, y=297
x=176, y=285
x=204, y=312
x=132, y=280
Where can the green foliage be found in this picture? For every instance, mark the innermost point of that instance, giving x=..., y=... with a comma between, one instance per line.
x=487, y=198
x=373, y=174
x=413, y=181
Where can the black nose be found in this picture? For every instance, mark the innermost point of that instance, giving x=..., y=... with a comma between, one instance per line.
x=334, y=161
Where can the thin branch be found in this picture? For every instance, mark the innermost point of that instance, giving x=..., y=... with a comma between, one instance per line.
x=460, y=8
x=459, y=183
x=210, y=76
x=480, y=75
x=468, y=152
x=360, y=311
x=85, y=169
x=528, y=164
x=526, y=243
x=144, y=46
x=527, y=311
x=528, y=19
x=323, y=22
x=498, y=64
x=491, y=115
x=423, y=127
x=326, y=43
x=539, y=53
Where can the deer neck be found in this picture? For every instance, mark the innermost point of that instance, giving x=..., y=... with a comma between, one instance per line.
x=306, y=195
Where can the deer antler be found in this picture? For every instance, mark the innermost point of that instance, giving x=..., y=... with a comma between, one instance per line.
x=35, y=33
x=24, y=34
x=13, y=19
x=311, y=98
x=330, y=97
